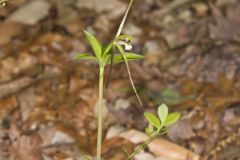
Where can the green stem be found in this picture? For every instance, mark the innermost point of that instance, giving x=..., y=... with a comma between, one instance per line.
x=100, y=117
x=129, y=73
x=143, y=145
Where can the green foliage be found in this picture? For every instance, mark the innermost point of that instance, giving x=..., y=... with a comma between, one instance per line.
x=130, y=57
x=163, y=112
x=150, y=129
x=172, y=118
x=107, y=50
x=152, y=119
x=103, y=55
x=164, y=119
x=85, y=56
x=96, y=46
x=157, y=126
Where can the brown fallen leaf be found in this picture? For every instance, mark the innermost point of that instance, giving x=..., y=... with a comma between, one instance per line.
x=28, y=147
x=76, y=84
x=27, y=103
x=226, y=28
x=170, y=7
x=7, y=105
x=231, y=116
x=12, y=67
x=25, y=146
x=178, y=36
x=112, y=149
x=14, y=86
x=181, y=131
x=170, y=151
x=118, y=88
x=162, y=148
x=218, y=103
x=10, y=30
x=221, y=3
x=81, y=115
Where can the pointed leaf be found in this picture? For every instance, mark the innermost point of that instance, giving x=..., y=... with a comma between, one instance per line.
x=123, y=20
x=96, y=46
x=133, y=56
x=172, y=118
x=107, y=54
x=152, y=119
x=84, y=56
x=118, y=58
x=130, y=57
x=125, y=38
x=107, y=49
x=163, y=112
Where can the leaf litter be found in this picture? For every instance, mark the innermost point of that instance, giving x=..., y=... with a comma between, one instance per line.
x=192, y=64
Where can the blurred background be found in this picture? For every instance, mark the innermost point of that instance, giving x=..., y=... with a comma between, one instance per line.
x=48, y=101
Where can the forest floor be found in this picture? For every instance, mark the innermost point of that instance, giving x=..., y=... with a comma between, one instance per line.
x=48, y=101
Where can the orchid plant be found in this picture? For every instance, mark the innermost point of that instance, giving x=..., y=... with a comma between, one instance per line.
x=106, y=55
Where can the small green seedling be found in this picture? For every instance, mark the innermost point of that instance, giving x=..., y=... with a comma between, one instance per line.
x=107, y=55
x=157, y=125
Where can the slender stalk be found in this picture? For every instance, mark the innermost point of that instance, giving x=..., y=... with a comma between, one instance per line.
x=100, y=110
x=129, y=73
x=143, y=145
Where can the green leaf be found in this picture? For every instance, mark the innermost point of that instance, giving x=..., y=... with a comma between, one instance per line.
x=163, y=112
x=125, y=37
x=107, y=54
x=130, y=57
x=172, y=118
x=96, y=46
x=123, y=20
x=84, y=56
x=133, y=56
x=118, y=58
x=107, y=49
x=149, y=130
x=152, y=119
